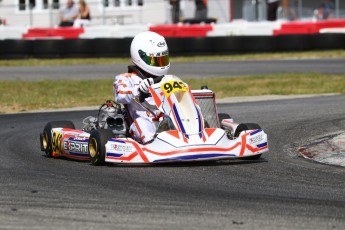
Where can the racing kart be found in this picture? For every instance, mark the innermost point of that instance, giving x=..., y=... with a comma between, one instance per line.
x=188, y=129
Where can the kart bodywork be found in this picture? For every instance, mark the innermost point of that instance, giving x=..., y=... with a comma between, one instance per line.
x=190, y=130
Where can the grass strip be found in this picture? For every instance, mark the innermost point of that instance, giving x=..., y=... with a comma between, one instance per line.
x=235, y=57
x=274, y=84
x=19, y=96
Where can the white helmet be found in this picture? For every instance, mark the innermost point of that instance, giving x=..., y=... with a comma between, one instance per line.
x=149, y=52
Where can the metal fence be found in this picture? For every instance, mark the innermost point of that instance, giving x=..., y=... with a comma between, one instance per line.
x=256, y=10
x=46, y=12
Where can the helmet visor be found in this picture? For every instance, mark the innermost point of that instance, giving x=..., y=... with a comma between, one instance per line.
x=155, y=59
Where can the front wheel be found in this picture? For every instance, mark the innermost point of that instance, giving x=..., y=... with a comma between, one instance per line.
x=244, y=127
x=98, y=139
x=46, y=136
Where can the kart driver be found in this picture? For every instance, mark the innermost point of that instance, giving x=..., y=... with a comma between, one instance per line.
x=149, y=53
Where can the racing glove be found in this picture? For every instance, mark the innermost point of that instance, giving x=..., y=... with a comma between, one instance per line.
x=145, y=84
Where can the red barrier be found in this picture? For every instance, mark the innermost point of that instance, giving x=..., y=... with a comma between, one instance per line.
x=308, y=27
x=194, y=30
x=61, y=32
x=330, y=24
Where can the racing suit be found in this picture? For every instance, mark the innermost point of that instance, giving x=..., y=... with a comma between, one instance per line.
x=126, y=91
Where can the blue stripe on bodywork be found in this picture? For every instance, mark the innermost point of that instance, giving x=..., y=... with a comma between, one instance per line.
x=119, y=141
x=196, y=145
x=178, y=119
x=255, y=132
x=220, y=138
x=195, y=157
x=114, y=154
x=72, y=138
x=167, y=142
x=262, y=145
x=199, y=119
x=199, y=122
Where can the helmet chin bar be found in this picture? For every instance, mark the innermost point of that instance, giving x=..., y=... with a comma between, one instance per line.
x=146, y=74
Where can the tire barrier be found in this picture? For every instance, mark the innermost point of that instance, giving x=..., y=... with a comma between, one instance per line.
x=119, y=47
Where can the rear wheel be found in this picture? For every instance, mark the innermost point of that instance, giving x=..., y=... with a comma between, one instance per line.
x=222, y=116
x=97, y=141
x=46, y=136
x=244, y=127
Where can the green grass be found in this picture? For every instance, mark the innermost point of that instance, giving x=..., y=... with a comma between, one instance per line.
x=32, y=95
x=63, y=61
x=17, y=96
x=274, y=84
x=100, y=61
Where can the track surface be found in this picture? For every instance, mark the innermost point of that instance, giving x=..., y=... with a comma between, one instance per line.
x=184, y=70
x=281, y=191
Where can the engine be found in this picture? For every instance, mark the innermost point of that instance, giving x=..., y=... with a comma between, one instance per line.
x=110, y=116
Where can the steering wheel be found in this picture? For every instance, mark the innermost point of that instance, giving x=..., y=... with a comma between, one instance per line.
x=142, y=95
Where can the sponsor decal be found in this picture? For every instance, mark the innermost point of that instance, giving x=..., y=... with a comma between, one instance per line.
x=122, y=148
x=256, y=138
x=74, y=146
x=80, y=138
x=161, y=44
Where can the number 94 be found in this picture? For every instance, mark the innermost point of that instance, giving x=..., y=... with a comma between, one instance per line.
x=174, y=86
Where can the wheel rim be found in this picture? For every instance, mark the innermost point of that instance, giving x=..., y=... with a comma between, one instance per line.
x=93, y=147
x=45, y=140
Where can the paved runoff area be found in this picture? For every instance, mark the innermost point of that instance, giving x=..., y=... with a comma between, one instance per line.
x=328, y=149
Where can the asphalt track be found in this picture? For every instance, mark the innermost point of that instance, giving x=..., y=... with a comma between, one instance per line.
x=280, y=191
x=183, y=70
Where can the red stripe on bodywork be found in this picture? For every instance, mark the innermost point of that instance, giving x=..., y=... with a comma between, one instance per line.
x=155, y=98
x=174, y=133
x=202, y=149
x=139, y=150
x=210, y=131
x=255, y=149
x=244, y=142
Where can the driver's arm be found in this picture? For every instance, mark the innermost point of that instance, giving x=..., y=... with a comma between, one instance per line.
x=124, y=89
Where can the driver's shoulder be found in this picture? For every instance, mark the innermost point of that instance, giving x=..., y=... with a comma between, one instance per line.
x=127, y=76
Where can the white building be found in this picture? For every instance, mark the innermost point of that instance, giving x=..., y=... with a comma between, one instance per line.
x=45, y=13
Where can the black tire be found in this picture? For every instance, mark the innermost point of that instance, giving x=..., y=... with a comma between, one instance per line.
x=46, y=136
x=206, y=124
x=243, y=127
x=252, y=158
x=98, y=139
x=222, y=116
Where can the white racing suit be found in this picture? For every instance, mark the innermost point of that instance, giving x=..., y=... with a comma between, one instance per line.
x=143, y=127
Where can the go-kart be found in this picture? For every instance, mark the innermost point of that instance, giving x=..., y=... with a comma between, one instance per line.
x=188, y=129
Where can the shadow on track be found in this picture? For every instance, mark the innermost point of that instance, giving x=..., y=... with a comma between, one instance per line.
x=213, y=163
x=192, y=164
